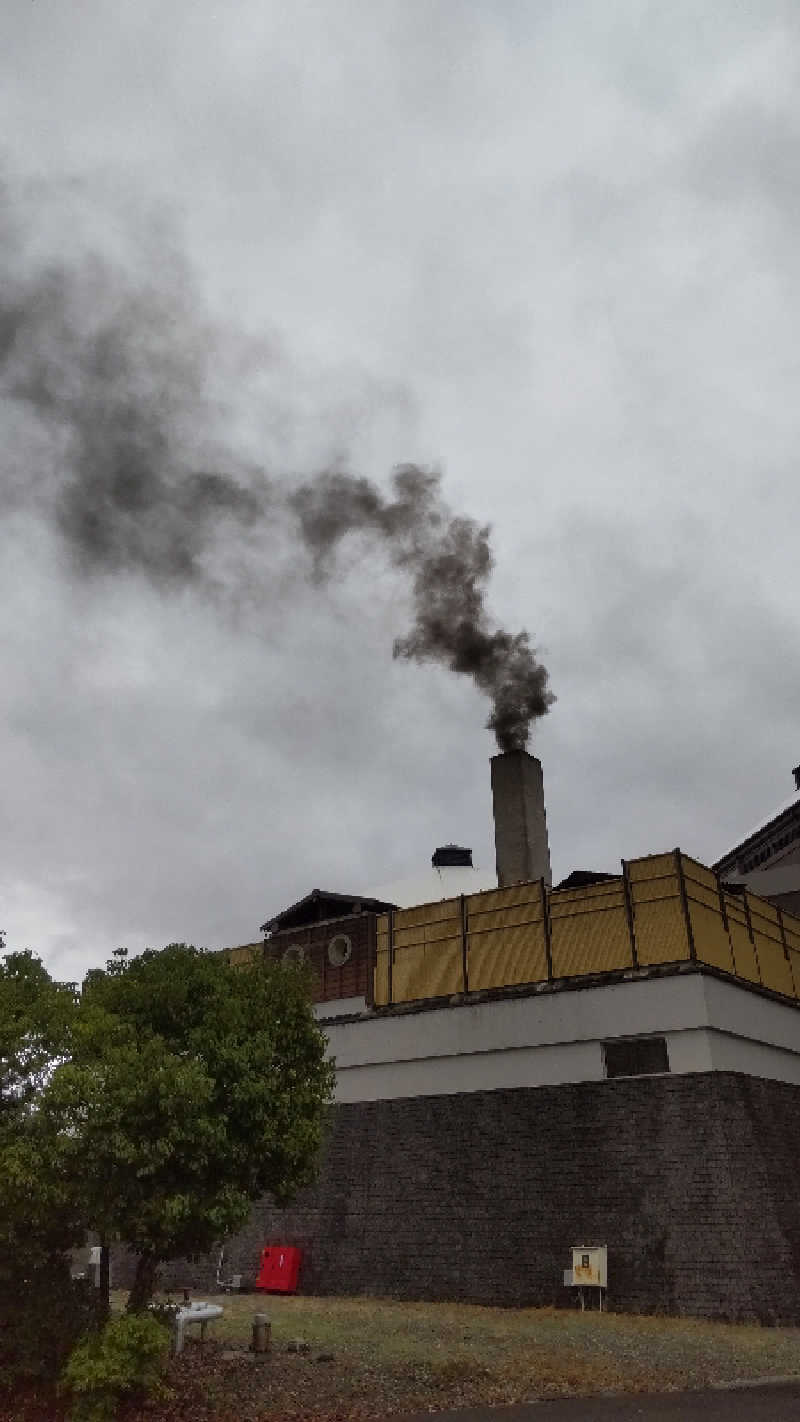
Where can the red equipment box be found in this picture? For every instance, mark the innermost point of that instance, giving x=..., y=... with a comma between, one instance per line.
x=280, y=1268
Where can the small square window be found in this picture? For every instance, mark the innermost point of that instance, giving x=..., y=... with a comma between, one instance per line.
x=638, y=1056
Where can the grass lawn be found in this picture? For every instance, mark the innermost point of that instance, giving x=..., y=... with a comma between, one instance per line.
x=391, y=1357
x=405, y=1357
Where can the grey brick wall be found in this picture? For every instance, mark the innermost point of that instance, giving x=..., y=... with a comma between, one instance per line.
x=691, y=1181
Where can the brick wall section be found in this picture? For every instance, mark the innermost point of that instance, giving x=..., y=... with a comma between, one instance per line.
x=691, y=1181
x=353, y=979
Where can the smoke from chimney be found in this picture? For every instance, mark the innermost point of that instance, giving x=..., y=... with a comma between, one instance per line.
x=105, y=384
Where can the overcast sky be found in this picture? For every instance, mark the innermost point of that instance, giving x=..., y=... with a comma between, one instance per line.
x=552, y=250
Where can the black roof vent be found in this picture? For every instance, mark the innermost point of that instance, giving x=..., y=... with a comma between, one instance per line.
x=796, y=774
x=451, y=856
x=582, y=878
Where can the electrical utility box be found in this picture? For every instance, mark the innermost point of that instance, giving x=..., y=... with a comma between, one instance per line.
x=590, y=1266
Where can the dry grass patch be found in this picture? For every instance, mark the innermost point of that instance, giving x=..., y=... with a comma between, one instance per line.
x=392, y=1357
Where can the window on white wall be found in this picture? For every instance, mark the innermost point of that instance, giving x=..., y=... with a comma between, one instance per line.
x=636, y=1056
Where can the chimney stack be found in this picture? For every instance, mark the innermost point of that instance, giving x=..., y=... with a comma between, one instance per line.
x=520, y=827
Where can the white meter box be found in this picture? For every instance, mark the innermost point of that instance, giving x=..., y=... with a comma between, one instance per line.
x=590, y=1266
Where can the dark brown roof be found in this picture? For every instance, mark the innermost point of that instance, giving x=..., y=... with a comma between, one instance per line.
x=321, y=904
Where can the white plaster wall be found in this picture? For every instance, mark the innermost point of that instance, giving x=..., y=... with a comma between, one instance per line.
x=585, y=1014
x=731, y=1053
x=339, y=1007
x=746, y=1014
x=554, y=1038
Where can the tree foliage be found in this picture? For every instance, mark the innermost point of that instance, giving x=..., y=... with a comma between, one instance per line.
x=158, y=1104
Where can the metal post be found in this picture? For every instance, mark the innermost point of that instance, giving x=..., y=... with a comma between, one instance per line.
x=628, y=896
x=464, y=963
x=548, y=955
x=685, y=905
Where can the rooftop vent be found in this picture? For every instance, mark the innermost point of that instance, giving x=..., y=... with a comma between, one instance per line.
x=796, y=774
x=451, y=856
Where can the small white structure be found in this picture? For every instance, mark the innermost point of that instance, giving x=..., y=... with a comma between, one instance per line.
x=199, y=1312
x=589, y=1270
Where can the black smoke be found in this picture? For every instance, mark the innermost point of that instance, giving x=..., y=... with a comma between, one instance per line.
x=137, y=481
x=449, y=561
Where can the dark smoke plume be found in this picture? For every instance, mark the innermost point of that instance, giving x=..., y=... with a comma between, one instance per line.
x=449, y=562
x=117, y=376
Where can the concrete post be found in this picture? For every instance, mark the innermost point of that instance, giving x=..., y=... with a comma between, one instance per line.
x=262, y=1333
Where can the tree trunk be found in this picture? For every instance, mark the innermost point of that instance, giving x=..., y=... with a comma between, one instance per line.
x=144, y=1283
x=104, y=1283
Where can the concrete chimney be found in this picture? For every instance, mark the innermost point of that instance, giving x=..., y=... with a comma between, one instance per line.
x=520, y=827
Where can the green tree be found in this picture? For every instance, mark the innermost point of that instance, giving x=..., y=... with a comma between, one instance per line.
x=192, y=1089
x=41, y=1217
x=180, y=1090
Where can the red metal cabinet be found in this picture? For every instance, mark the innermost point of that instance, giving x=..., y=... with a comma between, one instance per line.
x=280, y=1268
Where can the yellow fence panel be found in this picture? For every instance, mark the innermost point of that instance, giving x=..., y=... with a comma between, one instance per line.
x=426, y=914
x=245, y=954
x=791, y=929
x=773, y=960
x=712, y=943
x=517, y=917
x=589, y=941
x=659, y=923
x=428, y=971
x=490, y=899
x=744, y=954
x=651, y=866
x=776, y=972
x=381, y=984
x=505, y=957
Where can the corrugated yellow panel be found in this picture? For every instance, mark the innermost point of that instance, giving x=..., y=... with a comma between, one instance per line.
x=505, y=957
x=381, y=983
x=382, y=926
x=660, y=930
x=444, y=966
x=652, y=866
x=703, y=894
x=590, y=943
x=426, y=932
x=764, y=914
x=698, y=873
x=711, y=942
x=794, y=964
x=428, y=913
x=521, y=915
x=504, y=898
x=744, y=954
x=775, y=970
x=427, y=971
x=245, y=954
x=791, y=929
x=409, y=979
x=591, y=896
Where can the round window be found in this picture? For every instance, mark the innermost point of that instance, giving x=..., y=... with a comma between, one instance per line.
x=295, y=953
x=339, y=950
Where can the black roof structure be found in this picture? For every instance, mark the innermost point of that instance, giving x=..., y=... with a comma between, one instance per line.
x=321, y=905
x=581, y=878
